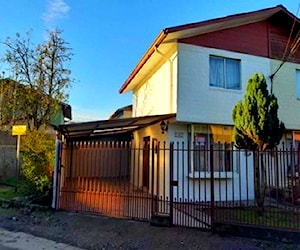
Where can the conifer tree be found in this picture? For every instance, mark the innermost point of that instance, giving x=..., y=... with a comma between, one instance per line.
x=257, y=128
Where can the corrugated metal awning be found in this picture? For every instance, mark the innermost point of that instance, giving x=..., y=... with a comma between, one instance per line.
x=100, y=128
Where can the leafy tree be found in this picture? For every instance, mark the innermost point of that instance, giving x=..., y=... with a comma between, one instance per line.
x=37, y=167
x=12, y=101
x=41, y=71
x=257, y=128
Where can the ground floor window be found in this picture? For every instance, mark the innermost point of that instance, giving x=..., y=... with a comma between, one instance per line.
x=211, y=143
x=292, y=141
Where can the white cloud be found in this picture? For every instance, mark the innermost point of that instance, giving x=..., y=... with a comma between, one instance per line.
x=55, y=9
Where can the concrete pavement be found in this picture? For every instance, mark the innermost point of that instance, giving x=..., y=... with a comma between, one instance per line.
x=22, y=241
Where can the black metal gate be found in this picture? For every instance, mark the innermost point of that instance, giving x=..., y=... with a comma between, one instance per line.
x=188, y=185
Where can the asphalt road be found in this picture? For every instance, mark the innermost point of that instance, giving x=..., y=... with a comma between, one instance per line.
x=22, y=241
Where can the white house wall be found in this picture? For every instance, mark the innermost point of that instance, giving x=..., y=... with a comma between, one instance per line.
x=197, y=101
x=157, y=94
x=284, y=86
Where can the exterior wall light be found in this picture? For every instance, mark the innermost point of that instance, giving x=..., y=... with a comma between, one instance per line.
x=163, y=127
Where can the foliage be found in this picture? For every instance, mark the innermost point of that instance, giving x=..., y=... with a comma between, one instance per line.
x=256, y=123
x=38, y=163
x=39, y=79
x=8, y=181
x=257, y=127
x=7, y=192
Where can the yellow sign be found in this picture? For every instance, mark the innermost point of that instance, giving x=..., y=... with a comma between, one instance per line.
x=19, y=130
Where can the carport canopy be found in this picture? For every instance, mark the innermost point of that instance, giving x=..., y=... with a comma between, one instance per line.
x=103, y=128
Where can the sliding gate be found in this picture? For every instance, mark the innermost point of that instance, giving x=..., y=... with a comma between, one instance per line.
x=120, y=179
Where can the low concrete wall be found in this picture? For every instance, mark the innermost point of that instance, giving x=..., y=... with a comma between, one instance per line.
x=7, y=160
x=7, y=154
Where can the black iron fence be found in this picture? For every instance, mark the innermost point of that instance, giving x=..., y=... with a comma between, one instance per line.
x=274, y=197
x=191, y=185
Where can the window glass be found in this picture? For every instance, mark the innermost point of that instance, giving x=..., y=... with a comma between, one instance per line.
x=298, y=84
x=216, y=76
x=200, y=152
x=224, y=72
x=232, y=74
x=220, y=138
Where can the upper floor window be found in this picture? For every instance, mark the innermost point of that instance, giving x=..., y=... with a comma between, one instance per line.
x=224, y=73
x=298, y=84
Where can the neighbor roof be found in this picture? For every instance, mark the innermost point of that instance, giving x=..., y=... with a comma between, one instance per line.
x=109, y=127
x=188, y=30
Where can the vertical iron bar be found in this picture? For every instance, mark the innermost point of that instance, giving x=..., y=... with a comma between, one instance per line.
x=164, y=174
x=212, y=188
x=157, y=150
x=71, y=160
x=171, y=179
x=152, y=177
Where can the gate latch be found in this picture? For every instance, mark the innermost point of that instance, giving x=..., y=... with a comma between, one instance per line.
x=174, y=183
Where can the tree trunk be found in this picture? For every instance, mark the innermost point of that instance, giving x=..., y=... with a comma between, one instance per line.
x=259, y=181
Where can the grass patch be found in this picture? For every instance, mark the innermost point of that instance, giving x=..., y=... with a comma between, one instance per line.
x=272, y=217
x=7, y=192
x=8, y=188
x=8, y=181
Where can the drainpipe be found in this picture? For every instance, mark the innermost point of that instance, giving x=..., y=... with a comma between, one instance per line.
x=57, y=163
x=171, y=76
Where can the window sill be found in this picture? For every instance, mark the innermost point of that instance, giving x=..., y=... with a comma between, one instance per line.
x=217, y=175
x=214, y=88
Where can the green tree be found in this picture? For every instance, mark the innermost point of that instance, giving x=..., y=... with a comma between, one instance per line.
x=42, y=72
x=257, y=128
x=38, y=164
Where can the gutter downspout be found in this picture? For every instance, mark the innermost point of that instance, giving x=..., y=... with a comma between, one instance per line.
x=162, y=35
x=171, y=76
x=57, y=164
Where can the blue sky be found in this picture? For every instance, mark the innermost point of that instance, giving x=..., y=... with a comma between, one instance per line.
x=109, y=37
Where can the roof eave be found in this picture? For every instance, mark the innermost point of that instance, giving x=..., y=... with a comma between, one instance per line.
x=194, y=26
x=159, y=39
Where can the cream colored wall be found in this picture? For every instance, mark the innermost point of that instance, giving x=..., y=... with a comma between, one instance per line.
x=157, y=94
x=154, y=132
x=197, y=101
x=284, y=86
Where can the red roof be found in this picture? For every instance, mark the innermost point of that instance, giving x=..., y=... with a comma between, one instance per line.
x=192, y=29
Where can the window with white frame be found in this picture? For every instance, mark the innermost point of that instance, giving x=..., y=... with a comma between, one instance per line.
x=202, y=137
x=224, y=73
x=298, y=84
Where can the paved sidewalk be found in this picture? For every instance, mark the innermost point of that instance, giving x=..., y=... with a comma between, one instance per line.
x=22, y=241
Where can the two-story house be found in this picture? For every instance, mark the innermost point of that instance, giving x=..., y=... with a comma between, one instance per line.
x=184, y=90
x=199, y=71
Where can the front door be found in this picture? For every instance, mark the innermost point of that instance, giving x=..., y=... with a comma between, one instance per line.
x=146, y=156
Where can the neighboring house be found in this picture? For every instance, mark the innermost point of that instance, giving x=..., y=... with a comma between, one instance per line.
x=124, y=112
x=199, y=71
x=63, y=115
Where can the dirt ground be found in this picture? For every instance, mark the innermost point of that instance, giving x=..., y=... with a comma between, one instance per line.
x=98, y=232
